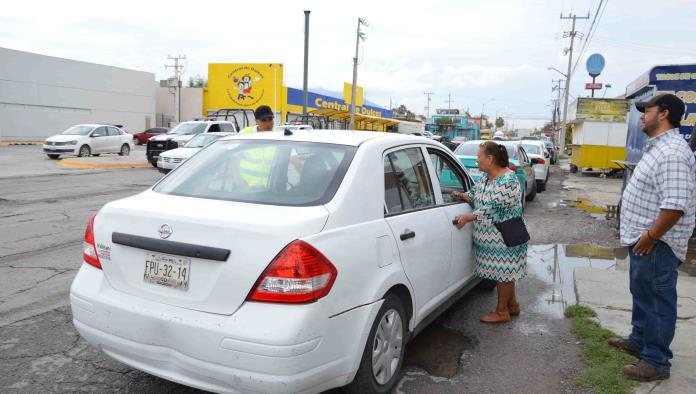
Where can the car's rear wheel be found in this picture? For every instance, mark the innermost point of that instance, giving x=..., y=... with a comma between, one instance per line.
x=125, y=150
x=84, y=151
x=53, y=156
x=96, y=154
x=384, y=352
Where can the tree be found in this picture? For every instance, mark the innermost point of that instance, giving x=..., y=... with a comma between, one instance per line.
x=499, y=122
x=443, y=120
x=197, y=82
x=403, y=112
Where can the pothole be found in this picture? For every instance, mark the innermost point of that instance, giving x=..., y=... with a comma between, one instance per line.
x=437, y=350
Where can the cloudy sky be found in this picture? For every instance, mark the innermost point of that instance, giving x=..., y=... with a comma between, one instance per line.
x=485, y=54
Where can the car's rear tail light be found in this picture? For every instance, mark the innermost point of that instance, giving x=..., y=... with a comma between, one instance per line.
x=514, y=168
x=541, y=161
x=89, y=247
x=298, y=274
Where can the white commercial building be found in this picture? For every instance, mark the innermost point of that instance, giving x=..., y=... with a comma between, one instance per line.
x=43, y=95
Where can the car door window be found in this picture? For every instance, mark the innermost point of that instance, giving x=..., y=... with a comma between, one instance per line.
x=99, y=132
x=214, y=128
x=448, y=176
x=406, y=182
x=227, y=127
x=114, y=132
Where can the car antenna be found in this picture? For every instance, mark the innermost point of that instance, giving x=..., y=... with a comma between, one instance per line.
x=287, y=132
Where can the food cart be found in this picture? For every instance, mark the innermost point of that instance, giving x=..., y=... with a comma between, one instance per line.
x=599, y=129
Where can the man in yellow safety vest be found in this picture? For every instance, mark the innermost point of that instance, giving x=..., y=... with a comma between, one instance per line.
x=255, y=164
x=264, y=120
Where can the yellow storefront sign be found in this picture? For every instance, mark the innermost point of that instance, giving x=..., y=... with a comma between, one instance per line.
x=606, y=110
x=244, y=86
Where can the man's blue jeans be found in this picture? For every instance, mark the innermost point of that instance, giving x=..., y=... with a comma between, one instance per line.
x=654, y=289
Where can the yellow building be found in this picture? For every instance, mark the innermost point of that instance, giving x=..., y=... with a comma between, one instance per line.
x=247, y=86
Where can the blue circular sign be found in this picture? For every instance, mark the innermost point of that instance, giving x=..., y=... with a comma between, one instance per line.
x=595, y=64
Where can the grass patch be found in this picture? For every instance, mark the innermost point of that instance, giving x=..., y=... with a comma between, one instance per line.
x=605, y=363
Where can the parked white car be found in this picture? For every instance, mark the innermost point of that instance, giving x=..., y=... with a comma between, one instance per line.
x=181, y=134
x=537, y=153
x=279, y=264
x=89, y=139
x=171, y=159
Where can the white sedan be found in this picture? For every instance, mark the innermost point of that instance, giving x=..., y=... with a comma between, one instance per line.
x=171, y=159
x=89, y=139
x=272, y=263
x=539, y=156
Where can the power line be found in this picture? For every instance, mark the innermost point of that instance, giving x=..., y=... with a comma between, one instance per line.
x=590, y=32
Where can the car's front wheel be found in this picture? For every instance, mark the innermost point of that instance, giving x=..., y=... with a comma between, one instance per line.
x=125, y=150
x=384, y=352
x=54, y=157
x=84, y=151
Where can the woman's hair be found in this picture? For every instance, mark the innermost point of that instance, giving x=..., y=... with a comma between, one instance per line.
x=498, y=151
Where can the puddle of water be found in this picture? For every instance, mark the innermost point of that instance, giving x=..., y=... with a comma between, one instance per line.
x=554, y=264
x=437, y=350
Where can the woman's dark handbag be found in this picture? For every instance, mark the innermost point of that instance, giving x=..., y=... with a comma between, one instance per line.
x=514, y=231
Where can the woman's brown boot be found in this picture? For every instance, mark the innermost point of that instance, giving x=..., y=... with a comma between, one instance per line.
x=496, y=317
x=514, y=309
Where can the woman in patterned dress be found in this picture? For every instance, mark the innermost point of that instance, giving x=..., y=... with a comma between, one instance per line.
x=496, y=197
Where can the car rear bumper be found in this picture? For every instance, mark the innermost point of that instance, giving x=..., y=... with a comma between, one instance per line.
x=540, y=172
x=266, y=348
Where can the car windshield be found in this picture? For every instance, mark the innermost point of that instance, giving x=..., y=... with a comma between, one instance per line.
x=202, y=140
x=188, y=128
x=78, y=130
x=533, y=149
x=467, y=149
x=264, y=172
x=460, y=138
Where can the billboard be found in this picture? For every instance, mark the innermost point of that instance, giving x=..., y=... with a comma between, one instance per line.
x=244, y=85
x=602, y=110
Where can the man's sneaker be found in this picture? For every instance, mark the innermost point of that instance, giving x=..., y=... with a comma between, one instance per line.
x=644, y=372
x=625, y=346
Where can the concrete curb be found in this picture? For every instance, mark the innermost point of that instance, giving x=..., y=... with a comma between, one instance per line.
x=73, y=164
x=10, y=143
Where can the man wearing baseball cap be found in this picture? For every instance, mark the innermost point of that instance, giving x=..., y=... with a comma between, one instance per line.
x=658, y=212
x=264, y=120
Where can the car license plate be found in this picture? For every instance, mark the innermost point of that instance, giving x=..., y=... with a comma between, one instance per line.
x=167, y=270
x=474, y=171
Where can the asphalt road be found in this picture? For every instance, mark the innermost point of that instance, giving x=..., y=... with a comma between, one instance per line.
x=43, y=212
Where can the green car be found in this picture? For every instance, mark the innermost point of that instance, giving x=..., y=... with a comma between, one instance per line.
x=519, y=162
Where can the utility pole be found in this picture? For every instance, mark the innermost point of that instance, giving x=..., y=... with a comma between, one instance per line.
x=177, y=91
x=427, y=107
x=570, y=34
x=305, y=92
x=557, y=104
x=449, y=101
x=360, y=36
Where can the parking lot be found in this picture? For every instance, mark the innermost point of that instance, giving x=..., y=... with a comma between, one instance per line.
x=44, y=207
